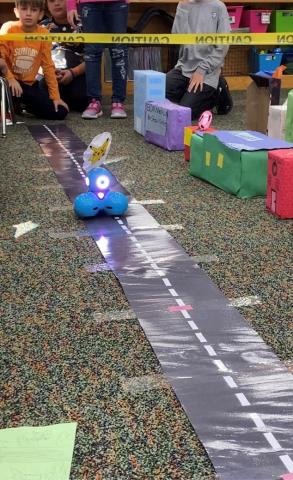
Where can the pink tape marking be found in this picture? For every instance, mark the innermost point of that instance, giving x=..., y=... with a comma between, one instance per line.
x=179, y=308
x=287, y=476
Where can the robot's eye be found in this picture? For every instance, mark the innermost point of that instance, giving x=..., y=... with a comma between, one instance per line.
x=109, y=208
x=103, y=182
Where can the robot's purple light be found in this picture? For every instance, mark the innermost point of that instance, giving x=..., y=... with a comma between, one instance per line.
x=87, y=181
x=103, y=182
x=101, y=195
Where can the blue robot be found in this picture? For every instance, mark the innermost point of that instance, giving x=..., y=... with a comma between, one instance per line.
x=99, y=198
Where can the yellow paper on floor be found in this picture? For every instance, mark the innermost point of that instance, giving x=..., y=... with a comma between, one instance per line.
x=37, y=453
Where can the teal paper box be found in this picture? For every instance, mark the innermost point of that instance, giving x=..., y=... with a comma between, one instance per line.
x=148, y=85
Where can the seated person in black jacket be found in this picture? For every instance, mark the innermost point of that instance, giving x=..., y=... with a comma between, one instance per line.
x=3, y=66
x=67, y=57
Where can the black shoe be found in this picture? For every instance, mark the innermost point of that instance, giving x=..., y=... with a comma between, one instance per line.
x=224, y=101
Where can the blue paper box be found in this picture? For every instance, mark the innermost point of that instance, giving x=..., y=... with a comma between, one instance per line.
x=148, y=85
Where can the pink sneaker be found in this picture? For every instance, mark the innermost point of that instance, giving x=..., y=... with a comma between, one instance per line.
x=94, y=110
x=118, y=110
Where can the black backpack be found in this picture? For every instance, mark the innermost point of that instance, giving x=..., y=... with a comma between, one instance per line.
x=224, y=103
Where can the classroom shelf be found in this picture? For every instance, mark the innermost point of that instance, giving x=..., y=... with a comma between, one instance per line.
x=226, y=1
x=156, y=2
x=236, y=67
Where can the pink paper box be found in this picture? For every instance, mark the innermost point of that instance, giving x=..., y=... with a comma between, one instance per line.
x=280, y=183
x=235, y=14
x=257, y=20
x=164, y=124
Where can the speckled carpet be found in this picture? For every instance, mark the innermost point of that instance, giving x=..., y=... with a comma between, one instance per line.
x=61, y=360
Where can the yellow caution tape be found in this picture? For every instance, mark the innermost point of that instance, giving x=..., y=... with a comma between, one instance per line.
x=159, y=39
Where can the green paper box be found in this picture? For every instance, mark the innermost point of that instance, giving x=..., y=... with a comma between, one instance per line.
x=236, y=162
x=37, y=453
x=289, y=118
x=196, y=155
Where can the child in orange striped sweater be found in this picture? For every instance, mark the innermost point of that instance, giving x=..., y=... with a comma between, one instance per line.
x=25, y=57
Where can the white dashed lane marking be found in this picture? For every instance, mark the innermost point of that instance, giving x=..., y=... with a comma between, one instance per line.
x=230, y=382
x=161, y=273
x=154, y=266
x=192, y=325
x=173, y=292
x=288, y=462
x=273, y=441
x=180, y=302
x=71, y=156
x=210, y=350
x=257, y=421
x=201, y=337
x=220, y=366
x=126, y=229
x=242, y=399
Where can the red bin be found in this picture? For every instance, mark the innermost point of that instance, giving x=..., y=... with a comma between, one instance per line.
x=279, y=199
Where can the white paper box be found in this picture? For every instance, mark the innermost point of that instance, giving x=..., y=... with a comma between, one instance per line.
x=277, y=121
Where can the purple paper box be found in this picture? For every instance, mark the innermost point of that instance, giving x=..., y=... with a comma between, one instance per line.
x=165, y=122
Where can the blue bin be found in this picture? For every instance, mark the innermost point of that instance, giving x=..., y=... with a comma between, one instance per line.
x=265, y=62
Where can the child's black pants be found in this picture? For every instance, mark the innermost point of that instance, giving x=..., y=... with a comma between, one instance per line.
x=176, y=91
x=38, y=103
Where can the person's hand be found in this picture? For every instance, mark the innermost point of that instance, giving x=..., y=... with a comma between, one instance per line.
x=73, y=17
x=66, y=77
x=15, y=87
x=196, y=82
x=3, y=67
x=61, y=103
x=58, y=74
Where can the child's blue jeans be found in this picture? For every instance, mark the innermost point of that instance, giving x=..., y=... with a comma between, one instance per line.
x=105, y=17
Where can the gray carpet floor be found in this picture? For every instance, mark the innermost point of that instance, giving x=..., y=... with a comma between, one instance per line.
x=66, y=354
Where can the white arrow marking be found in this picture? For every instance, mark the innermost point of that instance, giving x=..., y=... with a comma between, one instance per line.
x=25, y=227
